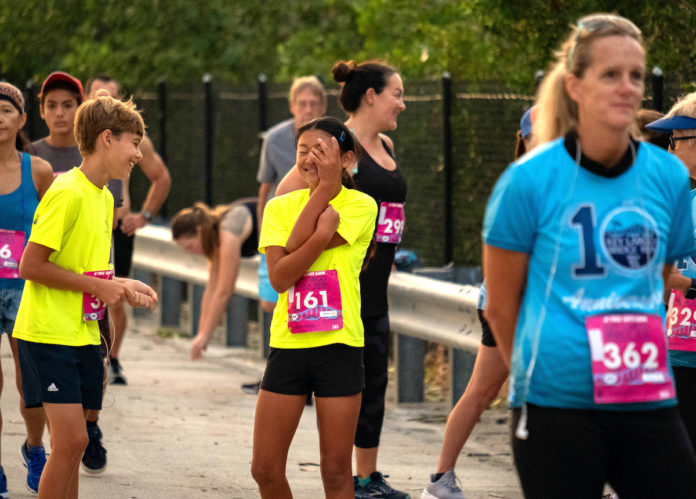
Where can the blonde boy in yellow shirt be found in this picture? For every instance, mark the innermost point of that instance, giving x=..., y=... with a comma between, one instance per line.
x=69, y=284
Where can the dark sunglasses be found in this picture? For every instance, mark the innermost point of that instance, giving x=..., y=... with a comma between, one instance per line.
x=673, y=139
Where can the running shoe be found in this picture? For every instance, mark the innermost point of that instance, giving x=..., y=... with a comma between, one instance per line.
x=251, y=388
x=34, y=460
x=94, y=458
x=117, y=377
x=377, y=488
x=447, y=487
x=4, y=494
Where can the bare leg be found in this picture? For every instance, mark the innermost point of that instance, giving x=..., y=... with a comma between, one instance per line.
x=275, y=423
x=34, y=418
x=59, y=479
x=365, y=461
x=486, y=380
x=337, y=418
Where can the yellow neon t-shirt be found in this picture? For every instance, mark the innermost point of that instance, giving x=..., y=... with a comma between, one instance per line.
x=357, y=213
x=74, y=219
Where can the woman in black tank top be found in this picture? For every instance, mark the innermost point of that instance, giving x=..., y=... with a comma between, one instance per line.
x=222, y=235
x=372, y=95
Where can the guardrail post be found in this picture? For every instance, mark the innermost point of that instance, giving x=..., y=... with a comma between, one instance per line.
x=461, y=368
x=145, y=277
x=171, y=297
x=237, y=321
x=265, y=332
x=196, y=299
x=410, y=357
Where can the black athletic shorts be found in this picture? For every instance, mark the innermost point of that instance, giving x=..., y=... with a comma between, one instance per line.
x=486, y=333
x=59, y=374
x=573, y=453
x=330, y=371
x=123, y=252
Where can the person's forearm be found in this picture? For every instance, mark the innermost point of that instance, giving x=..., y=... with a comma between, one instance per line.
x=212, y=312
x=503, y=325
x=53, y=276
x=306, y=223
x=291, y=267
x=157, y=194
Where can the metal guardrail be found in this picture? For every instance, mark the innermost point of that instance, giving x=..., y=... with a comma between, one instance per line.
x=421, y=309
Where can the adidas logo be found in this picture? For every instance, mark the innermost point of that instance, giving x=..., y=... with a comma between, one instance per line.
x=52, y=387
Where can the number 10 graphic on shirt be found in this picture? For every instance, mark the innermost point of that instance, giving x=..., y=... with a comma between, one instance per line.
x=314, y=303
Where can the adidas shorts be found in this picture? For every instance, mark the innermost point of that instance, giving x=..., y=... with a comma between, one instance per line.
x=59, y=374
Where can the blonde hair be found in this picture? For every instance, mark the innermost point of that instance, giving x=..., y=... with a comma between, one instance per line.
x=558, y=113
x=103, y=112
x=303, y=83
x=686, y=106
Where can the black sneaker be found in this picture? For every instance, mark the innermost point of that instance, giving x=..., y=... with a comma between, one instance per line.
x=251, y=388
x=377, y=488
x=94, y=458
x=117, y=377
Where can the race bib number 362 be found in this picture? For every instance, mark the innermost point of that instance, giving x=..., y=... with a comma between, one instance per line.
x=629, y=358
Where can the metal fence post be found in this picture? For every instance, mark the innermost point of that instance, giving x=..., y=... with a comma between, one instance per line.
x=447, y=162
x=162, y=97
x=196, y=300
x=171, y=297
x=265, y=332
x=263, y=103
x=410, y=355
x=658, y=82
x=209, y=137
x=237, y=321
x=29, y=105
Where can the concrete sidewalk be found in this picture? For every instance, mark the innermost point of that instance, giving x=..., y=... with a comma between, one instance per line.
x=181, y=429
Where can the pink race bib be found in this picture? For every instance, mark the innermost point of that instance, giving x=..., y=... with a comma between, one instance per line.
x=629, y=358
x=11, y=249
x=390, y=223
x=314, y=303
x=681, y=322
x=92, y=306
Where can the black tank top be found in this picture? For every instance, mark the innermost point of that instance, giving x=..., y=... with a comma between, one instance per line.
x=384, y=186
x=251, y=244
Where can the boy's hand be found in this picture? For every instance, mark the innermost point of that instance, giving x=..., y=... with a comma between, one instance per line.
x=327, y=157
x=110, y=292
x=139, y=294
x=327, y=223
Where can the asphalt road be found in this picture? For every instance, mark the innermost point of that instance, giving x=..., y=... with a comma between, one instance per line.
x=181, y=429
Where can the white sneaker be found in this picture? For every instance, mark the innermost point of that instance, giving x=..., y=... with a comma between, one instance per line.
x=447, y=487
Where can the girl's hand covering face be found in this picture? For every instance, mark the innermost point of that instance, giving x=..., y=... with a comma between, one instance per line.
x=327, y=158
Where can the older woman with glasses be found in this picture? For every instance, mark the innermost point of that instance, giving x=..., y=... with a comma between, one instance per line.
x=576, y=240
x=680, y=124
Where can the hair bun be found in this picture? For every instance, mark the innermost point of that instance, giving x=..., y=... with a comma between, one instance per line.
x=343, y=70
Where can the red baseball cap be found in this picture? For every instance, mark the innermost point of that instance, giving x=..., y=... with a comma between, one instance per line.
x=65, y=77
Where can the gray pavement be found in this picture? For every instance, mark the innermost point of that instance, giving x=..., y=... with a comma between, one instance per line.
x=181, y=429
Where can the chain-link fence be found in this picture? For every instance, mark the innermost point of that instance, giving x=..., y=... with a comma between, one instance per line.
x=484, y=121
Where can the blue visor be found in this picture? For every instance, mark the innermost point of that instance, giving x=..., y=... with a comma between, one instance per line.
x=667, y=125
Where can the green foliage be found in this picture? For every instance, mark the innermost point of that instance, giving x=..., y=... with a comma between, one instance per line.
x=144, y=41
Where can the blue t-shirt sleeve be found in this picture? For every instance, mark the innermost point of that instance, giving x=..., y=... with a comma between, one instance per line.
x=510, y=221
x=682, y=239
